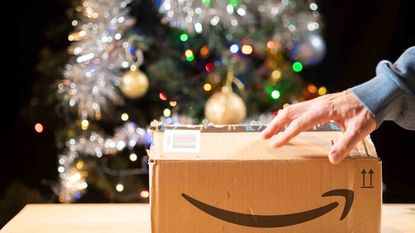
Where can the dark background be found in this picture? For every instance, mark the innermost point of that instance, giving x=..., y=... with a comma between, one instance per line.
x=358, y=35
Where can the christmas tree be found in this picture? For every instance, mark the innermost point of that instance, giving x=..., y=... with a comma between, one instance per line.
x=180, y=62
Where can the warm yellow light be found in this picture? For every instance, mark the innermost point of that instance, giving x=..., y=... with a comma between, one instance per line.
x=276, y=74
x=144, y=194
x=80, y=164
x=188, y=53
x=322, y=90
x=167, y=112
x=133, y=157
x=207, y=87
x=119, y=187
x=247, y=49
x=286, y=105
x=84, y=124
x=173, y=103
x=124, y=117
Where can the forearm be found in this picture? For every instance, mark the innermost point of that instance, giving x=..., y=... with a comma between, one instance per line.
x=391, y=94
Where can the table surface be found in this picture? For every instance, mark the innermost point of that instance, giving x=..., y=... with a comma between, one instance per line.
x=126, y=218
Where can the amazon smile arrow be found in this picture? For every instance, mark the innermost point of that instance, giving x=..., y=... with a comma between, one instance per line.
x=272, y=221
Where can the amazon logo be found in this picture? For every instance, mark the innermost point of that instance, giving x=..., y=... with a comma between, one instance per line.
x=273, y=221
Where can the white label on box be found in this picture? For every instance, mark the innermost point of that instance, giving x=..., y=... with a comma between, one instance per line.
x=177, y=140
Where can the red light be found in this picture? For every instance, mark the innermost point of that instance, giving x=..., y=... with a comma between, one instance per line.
x=163, y=96
x=209, y=67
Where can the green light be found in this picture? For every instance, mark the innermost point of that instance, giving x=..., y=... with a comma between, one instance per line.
x=268, y=89
x=190, y=58
x=297, y=66
x=206, y=2
x=234, y=3
x=275, y=94
x=184, y=37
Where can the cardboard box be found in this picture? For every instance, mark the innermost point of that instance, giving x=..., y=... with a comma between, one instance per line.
x=227, y=179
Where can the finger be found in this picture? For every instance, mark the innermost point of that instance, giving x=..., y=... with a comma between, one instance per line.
x=345, y=144
x=277, y=124
x=296, y=126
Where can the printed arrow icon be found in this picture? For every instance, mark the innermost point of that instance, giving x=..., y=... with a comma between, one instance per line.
x=272, y=221
x=371, y=174
x=364, y=178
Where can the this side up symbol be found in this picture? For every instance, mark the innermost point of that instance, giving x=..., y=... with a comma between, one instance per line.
x=369, y=176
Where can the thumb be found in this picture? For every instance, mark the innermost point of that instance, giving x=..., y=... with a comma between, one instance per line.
x=344, y=145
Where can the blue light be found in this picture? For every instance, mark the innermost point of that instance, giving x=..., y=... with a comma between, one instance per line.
x=234, y=48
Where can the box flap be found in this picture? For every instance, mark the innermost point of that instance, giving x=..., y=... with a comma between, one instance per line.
x=243, y=142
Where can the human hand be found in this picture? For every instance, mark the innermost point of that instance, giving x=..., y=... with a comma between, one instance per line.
x=344, y=108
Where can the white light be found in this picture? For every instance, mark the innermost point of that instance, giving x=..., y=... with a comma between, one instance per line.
x=316, y=42
x=234, y=22
x=85, y=57
x=74, y=23
x=215, y=20
x=61, y=169
x=72, y=141
x=77, y=50
x=72, y=102
x=313, y=6
x=117, y=36
x=61, y=161
x=125, y=64
x=133, y=157
x=121, y=145
x=121, y=19
x=84, y=185
x=311, y=26
x=241, y=11
x=144, y=194
x=234, y=48
x=124, y=117
x=119, y=187
x=229, y=9
x=198, y=10
x=198, y=28
x=291, y=27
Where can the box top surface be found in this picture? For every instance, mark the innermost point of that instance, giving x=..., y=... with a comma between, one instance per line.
x=243, y=142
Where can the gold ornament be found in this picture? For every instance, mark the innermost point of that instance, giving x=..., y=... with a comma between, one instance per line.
x=134, y=84
x=225, y=107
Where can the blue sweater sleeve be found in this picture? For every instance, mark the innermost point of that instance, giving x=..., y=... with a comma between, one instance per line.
x=391, y=94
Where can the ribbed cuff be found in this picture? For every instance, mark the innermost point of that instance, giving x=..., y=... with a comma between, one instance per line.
x=378, y=93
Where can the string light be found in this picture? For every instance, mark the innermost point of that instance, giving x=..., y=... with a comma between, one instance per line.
x=209, y=67
x=247, y=49
x=322, y=90
x=207, y=87
x=119, y=187
x=124, y=117
x=38, y=128
x=275, y=94
x=297, y=66
x=167, y=112
x=184, y=37
x=133, y=157
x=234, y=48
x=204, y=51
x=189, y=55
x=163, y=96
x=312, y=88
x=80, y=164
x=276, y=74
x=144, y=194
x=173, y=103
x=84, y=124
